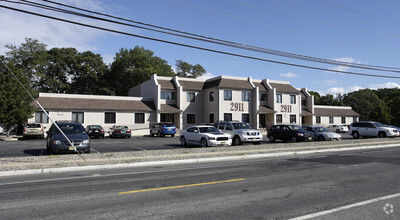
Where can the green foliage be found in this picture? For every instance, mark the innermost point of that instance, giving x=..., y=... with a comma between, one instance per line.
x=15, y=103
x=317, y=97
x=368, y=105
x=184, y=69
x=134, y=66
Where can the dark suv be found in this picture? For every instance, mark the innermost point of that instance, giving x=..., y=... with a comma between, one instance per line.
x=291, y=133
x=56, y=142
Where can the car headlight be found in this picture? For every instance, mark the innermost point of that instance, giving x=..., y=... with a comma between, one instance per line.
x=86, y=142
x=211, y=138
x=56, y=142
x=300, y=134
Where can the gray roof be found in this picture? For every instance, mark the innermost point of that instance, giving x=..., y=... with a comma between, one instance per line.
x=260, y=86
x=167, y=108
x=191, y=85
x=166, y=84
x=93, y=104
x=228, y=83
x=266, y=109
x=335, y=112
x=284, y=88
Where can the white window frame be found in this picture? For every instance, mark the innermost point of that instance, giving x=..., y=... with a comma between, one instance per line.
x=245, y=96
x=144, y=118
x=229, y=93
x=292, y=99
x=279, y=98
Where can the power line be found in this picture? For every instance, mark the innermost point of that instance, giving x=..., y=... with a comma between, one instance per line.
x=196, y=47
x=205, y=38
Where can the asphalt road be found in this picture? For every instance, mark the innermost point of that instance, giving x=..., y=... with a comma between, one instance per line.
x=279, y=188
x=36, y=147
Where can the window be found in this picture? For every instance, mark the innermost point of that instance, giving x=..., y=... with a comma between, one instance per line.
x=41, y=117
x=191, y=97
x=139, y=118
x=246, y=118
x=343, y=120
x=304, y=102
x=168, y=95
x=292, y=99
x=354, y=119
x=293, y=119
x=279, y=118
x=245, y=96
x=228, y=95
x=330, y=120
x=109, y=117
x=318, y=119
x=211, y=118
x=190, y=119
x=228, y=126
x=211, y=96
x=78, y=117
x=278, y=98
x=221, y=126
x=263, y=97
x=227, y=116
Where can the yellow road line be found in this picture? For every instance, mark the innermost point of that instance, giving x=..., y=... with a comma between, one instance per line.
x=181, y=186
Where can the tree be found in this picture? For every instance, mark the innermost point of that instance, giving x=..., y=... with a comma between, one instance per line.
x=184, y=69
x=15, y=103
x=31, y=58
x=317, y=97
x=368, y=105
x=134, y=66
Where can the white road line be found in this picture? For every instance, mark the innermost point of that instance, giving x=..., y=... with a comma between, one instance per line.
x=138, y=148
x=346, y=207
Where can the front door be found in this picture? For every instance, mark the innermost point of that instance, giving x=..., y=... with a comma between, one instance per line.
x=262, y=118
x=168, y=117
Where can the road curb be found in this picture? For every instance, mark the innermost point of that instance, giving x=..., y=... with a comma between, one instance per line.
x=189, y=161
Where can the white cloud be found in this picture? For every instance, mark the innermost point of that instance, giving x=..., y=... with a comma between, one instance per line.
x=288, y=75
x=331, y=81
x=347, y=60
x=207, y=76
x=341, y=90
x=385, y=85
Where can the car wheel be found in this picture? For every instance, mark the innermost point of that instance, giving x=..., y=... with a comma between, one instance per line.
x=320, y=138
x=203, y=142
x=271, y=138
x=48, y=149
x=356, y=135
x=236, y=140
x=337, y=131
x=183, y=141
x=159, y=134
x=293, y=139
x=381, y=134
x=129, y=136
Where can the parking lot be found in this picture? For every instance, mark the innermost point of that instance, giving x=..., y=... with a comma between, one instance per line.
x=37, y=147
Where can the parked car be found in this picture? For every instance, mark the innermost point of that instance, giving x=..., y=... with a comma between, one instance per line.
x=291, y=133
x=56, y=142
x=205, y=136
x=120, y=131
x=322, y=134
x=371, y=129
x=1, y=130
x=33, y=130
x=338, y=128
x=162, y=129
x=95, y=131
x=240, y=131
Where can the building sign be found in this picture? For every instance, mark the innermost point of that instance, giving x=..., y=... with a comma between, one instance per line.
x=286, y=108
x=236, y=106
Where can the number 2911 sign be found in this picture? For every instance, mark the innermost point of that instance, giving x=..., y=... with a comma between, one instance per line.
x=236, y=106
x=286, y=108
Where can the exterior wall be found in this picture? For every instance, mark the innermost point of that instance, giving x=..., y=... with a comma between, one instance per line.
x=286, y=109
x=211, y=107
x=196, y=108
x=337, y=120
x=235, y=106
x=97, y=118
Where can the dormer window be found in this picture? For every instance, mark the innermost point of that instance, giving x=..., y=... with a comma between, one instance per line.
x=168, y=95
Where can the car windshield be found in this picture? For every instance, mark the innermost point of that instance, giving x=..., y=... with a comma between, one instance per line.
x=94, y=127
x=321, y=129
x=70, y=129
x=208, y=129
x=241, y=125
x=121, y=127
x=32, y=126
x=294, y=127
x=168, y=125
x=377, y=124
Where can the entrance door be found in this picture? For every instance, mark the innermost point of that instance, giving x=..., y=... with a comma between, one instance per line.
x=168, y=117
x=262, y=118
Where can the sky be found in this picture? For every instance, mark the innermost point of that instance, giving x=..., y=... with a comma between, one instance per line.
x=358, y=31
